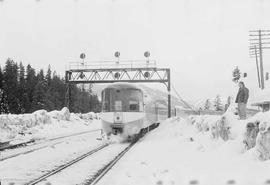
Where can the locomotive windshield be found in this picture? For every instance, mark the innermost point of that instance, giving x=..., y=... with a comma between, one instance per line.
x=122, y=100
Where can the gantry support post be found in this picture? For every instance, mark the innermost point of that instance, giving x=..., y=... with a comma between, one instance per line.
x=68, y=90
x=169, y=93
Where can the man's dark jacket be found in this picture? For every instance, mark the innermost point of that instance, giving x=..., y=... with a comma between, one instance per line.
x=242, y=95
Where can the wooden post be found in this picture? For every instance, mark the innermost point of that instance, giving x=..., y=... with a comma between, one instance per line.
x=261, y=59
x=257, y=65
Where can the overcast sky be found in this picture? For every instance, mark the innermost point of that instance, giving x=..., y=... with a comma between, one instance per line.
x=200, y=40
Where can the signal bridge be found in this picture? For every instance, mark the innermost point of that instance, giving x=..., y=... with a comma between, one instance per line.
x=113, y=64
x=132, y=71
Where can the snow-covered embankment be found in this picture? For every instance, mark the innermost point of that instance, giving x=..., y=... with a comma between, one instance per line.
x=253, y=133
x=42, y=124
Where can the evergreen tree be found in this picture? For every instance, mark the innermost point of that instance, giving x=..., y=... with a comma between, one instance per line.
x=39, y=93
x=3, y=102
x=207, y=105
x=217, y=104
x=31, y=82
x=1, y=78
x=236, y=75
x=22, y=95
x=49, y=76
x=95, y=104
x=49, y=104
x=57, y=94
x=25, y=91
x=10, y=86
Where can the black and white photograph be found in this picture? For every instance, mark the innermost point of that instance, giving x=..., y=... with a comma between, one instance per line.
x=134, y=92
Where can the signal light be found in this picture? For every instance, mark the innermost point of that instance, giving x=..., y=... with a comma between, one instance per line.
x=82, y=75
x=147, y=54
x=146, y=74
x=117, y=54
x=116, y=75
x=82, y=55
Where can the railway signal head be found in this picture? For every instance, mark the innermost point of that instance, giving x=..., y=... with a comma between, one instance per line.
x=82, y=75
x=146, y=74
x=117, y=54
x=117, y=75
x=82, y=55
x=147, y=54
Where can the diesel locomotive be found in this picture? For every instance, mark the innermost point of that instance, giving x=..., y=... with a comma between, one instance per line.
x=126, y=112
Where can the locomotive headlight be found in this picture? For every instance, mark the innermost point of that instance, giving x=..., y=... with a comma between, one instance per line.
x=118, y=117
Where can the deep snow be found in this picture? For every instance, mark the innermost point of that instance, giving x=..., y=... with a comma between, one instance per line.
x=205, y=150
x=43, y=125
x=25, y=168
x=29, y=163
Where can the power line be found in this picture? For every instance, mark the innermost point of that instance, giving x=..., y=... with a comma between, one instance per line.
x=257, y=44
x=181, y=99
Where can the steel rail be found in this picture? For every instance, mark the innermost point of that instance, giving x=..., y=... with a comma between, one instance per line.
x=40, y=143
x=102, y=172
x=59, y=169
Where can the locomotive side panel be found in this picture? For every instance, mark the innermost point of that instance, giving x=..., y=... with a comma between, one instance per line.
x=155, y=113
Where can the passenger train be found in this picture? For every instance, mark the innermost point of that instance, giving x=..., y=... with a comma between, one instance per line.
x=126, y=112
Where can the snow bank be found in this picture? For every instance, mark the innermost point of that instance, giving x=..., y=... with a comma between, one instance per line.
x=253, y=133
x=183, y=152
x=89, y=116
x=26, y=125
x=64, y=114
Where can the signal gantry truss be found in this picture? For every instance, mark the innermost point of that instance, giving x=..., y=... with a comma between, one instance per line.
x=134, y=75
x=110, y=72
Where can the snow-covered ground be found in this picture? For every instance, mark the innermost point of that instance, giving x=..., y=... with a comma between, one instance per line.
x=44, y=125
x=205, y=150
x=25, y=168
x=86, y=169
x=60, y=137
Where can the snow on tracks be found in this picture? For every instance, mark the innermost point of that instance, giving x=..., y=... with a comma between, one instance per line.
x=37, y=145
x=88, y=168
x=59, y=169
x=24, y=168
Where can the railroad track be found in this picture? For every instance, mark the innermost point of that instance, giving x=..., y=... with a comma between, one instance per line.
x=102, y=172
x=59, y=169
x=87, y=169
x=2, y=148
x=97, y=174
x=39, y=143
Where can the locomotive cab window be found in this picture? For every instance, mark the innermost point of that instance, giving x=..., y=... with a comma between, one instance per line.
x=133, y=106
x=118, y=105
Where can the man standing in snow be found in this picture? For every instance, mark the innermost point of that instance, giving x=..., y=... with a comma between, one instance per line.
x=241, y=100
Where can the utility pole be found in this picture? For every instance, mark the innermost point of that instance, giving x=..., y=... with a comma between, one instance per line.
x=258, y=42
x=257, y=66
x=255, y=54
x=261, y=59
